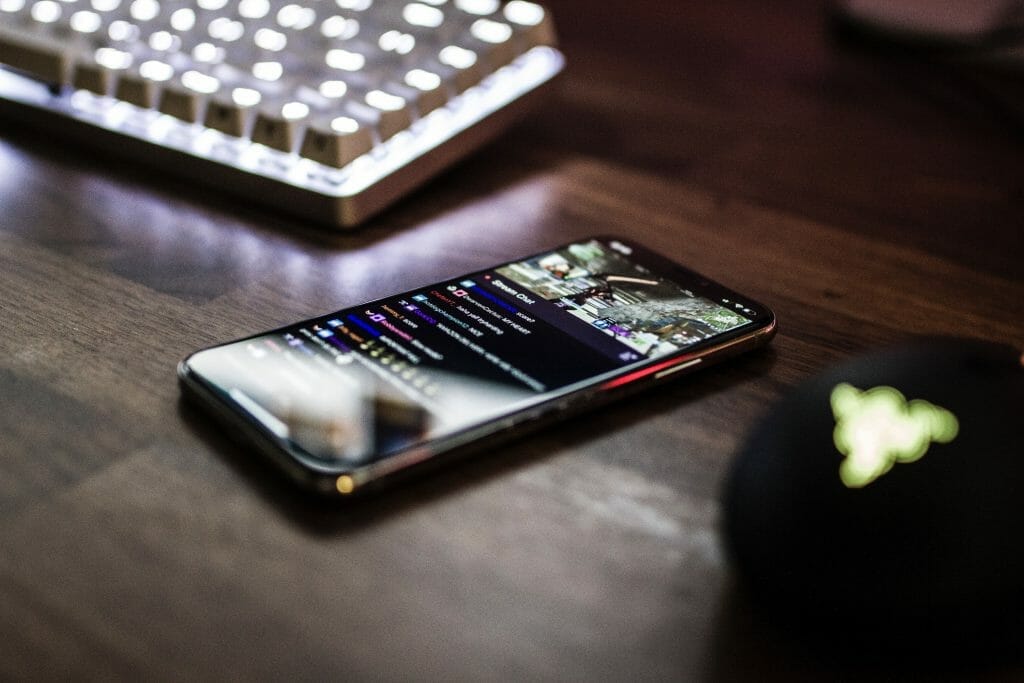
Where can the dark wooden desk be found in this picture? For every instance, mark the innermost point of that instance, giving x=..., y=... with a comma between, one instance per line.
x=864, y=199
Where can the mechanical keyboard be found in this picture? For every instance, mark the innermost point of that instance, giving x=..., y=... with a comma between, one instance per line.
x=330, y=109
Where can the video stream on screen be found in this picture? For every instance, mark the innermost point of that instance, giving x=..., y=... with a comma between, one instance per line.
x=648, y=313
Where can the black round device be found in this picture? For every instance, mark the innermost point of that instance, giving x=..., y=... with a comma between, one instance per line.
x=880, y=506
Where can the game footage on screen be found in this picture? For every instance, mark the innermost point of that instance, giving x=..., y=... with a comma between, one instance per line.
x=651, y=315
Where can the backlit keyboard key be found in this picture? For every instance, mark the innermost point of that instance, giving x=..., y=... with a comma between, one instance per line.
x=336, y=142
x=139, y=87
x=182, y=103
x=232, y=113
x=391, y=112
x=40, y=56
x=279, y=127
x=89, y=75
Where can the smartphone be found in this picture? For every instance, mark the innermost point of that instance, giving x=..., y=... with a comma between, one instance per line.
x=351, y=400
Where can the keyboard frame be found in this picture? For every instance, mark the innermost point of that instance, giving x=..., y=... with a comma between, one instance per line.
x=335, y=198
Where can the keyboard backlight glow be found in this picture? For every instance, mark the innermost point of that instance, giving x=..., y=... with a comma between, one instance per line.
x=122, y=31
x=269, y=39
x=46, y=11
x=339, y=27
x=245, y=97
x=296, y=17
x=112, y=58
x=396, y=41
x=423, y=80
x=183, y=19
x=491, y=31
x=85, y=22
x=479, y=7
x=267, y=71
x=524, y=13
x=225, y=29
x=333, y=89
x=345, y=60
x=344, y=125
x=293, y=111
x=145, y=10
x=162, y=41
x=419, y=14
x=202, y=83
x=457, y=57
x=156, y=71
x=253, y=9
x=384, y=101
x=207, y=53
x=357, y=5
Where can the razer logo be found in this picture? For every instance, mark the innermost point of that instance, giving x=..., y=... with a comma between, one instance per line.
x=877, y=428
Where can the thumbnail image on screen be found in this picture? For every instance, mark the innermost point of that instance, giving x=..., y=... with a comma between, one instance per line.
x=651, y=315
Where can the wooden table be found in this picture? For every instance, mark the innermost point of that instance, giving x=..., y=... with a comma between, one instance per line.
x=864, y=199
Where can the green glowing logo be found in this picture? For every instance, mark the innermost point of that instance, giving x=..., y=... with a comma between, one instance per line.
x=877, y=428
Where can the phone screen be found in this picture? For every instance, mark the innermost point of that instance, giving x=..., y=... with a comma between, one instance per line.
x=360, y=385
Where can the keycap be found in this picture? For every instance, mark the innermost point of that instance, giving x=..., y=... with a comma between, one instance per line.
x=337, y=141
x=232, y=112
x=40, y=56
x=278, y=125
x=186, y=95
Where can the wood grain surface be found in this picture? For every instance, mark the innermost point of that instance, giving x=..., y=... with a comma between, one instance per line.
x=864, y=198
